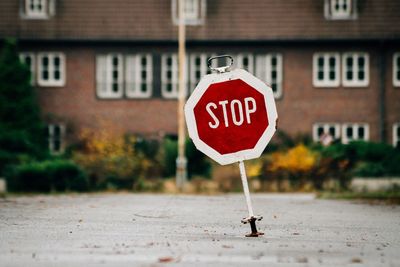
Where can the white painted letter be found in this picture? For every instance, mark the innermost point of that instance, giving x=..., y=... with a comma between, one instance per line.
x=247, y=108
x=223, y=104
x=240, y=109
x=216, y=121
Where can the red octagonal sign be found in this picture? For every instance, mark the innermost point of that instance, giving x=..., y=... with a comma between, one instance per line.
x=231, y=116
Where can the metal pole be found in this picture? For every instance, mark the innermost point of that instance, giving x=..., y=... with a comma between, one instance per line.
x=246, y=188
x=181, y=161
x=251, y=219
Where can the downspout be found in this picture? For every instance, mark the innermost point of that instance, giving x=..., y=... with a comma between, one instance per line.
x=382, y=93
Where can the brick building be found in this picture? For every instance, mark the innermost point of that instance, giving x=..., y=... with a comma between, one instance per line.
x=334, y=65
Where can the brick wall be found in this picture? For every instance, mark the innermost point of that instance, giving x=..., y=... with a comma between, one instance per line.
x=301, y=105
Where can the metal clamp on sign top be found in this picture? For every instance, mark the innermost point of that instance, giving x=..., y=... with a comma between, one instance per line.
x=220, y=69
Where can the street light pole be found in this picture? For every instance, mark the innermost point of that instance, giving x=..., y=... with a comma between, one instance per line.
x=181, y=161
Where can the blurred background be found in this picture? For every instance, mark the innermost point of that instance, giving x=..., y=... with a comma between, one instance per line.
x=88, y=93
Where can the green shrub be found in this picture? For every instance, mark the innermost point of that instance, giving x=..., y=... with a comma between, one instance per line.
x=369, y=169
x=46, y=176
x=198, y=164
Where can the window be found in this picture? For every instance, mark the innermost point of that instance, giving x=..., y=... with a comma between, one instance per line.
x=269, y=69
x=29, y=60
x=169, y=75
x=245, y=61
x=37, y=9
x=322, y=129
x=355, y=131
x=396, y=135
x=198, y=68
x=51, y=69
x=194, y=11
x=355, y=69
x=109, y=80
x=56, y=136
x=396, y=69
x=139, y=80
x=326, y=70
x=340, y=9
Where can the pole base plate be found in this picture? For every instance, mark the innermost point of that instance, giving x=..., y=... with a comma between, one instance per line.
x=254, y=234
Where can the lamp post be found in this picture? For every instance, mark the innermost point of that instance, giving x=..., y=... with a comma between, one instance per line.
x=181, y=161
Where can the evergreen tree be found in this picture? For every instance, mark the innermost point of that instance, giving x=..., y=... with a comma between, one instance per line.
x=20, y=125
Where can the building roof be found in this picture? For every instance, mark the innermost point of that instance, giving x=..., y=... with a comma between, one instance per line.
x=227, y=20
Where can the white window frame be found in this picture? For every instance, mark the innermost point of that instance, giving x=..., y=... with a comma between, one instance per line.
x=133, y=76
x=396, y=69
x=238, y=61
x=341, y=14
x=355, y=82
x=326, y=127
x=104, y=76
x=33, y=13
x=52, y=138
x=355, y=127
x=51, y=81
x=32, y=67
x=202, y=68
x=264, y=70
x=326, y=82
x=196, y=16
x=173, y=94
x=395, y=137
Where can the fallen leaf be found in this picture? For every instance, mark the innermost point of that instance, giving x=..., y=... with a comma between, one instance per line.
x=165, y=259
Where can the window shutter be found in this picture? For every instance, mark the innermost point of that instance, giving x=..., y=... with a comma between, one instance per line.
x=101, y=75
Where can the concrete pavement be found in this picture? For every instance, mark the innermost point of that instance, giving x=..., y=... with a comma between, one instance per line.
x=155, y=230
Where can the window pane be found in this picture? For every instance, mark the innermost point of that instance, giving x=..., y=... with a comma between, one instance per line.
x=320, y=62
x=45, y=75
x=320, y=75
x=274, y=61
x=143, y=87
x=332, y=131
x=361, y=75
x=56, y=145
x=332, y=62
x=349, y=132
x=349, y=75
x=332, y=75
x=115, y=87
x=115, y=61
x=361, y=132
x=349, y=62
x=320, y=131
x=57, y=75
x=361, y=62
x=56, y=61
x=45, y=61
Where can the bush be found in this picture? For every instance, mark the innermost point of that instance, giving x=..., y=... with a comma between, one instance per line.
x=46, y=176
x=369, y=169
x=198, y=163
x=110, y=158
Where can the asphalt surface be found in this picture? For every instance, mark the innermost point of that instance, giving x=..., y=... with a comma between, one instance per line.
x=157, y=230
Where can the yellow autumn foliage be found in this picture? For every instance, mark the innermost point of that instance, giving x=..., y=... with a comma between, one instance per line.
x=108, y=153
x=297, y=159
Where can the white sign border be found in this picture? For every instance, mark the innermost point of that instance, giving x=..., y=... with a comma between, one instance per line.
x=272, y=114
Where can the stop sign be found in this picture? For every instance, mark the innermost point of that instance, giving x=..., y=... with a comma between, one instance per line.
x=231, y=116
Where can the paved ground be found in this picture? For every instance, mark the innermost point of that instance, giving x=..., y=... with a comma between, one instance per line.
x=154, y=230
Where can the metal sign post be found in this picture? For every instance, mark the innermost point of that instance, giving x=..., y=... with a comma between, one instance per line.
x=231, y=117
x=251, y=219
